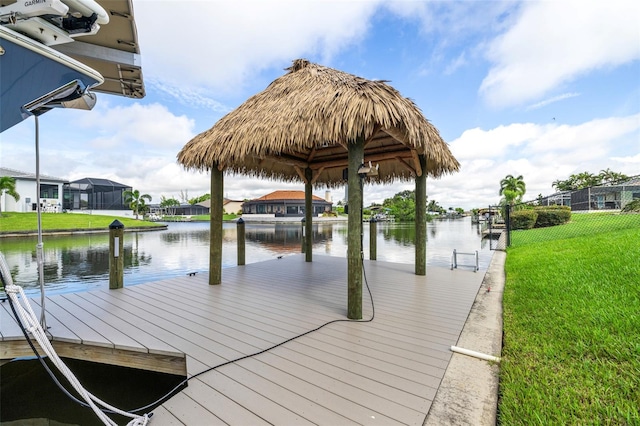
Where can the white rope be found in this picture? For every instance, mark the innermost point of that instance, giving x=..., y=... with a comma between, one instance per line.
x=30, y=322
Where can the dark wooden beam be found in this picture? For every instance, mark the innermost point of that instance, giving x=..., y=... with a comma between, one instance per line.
x=308, y=215
x=354, y=236
x=421, y=219
x=215, y=212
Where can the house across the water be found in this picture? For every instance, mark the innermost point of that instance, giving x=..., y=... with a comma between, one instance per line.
x=51, y=190
x=58, y=195
x=610, y=196
x=284, y=204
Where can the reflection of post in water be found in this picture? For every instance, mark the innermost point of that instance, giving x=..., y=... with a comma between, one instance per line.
x=285, y=238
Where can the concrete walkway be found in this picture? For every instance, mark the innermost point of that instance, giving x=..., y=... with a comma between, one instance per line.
x=468, y=393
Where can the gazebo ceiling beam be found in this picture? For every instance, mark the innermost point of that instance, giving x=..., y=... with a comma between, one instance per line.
x=317, y=175
x=406, y=165
x=395, y=134
x=342, y=162
x=383, y=155
x=372, y=137
x=312, y=154
x=416, y=162
x=300, y=173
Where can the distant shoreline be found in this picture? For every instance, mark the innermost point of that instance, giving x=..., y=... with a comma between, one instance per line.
x=32, y=233
x=161, y=226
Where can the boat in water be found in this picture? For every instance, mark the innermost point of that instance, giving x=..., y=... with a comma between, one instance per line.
x=57, y=53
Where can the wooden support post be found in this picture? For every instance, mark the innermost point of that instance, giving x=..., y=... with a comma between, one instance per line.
x=421, y=218
x=308, y=215
x=241, y=242
x=373, y=239
x=302, y=231
x=215, y=246
x=116, y=255
x=354, y=235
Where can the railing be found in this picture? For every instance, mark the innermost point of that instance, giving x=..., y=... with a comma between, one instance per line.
x=454, y=259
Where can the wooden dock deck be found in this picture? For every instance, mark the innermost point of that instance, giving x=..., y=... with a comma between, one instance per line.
x=383, y=372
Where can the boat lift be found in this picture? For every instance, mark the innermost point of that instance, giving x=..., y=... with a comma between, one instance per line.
x=454, y=259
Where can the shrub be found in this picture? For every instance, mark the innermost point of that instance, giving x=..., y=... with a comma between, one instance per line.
x=632, y=207
x=552, y=216
x=523, y=219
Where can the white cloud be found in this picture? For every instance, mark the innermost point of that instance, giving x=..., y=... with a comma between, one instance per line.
x=458, y=62
x=584, y=138
x=187, y=95
x=552, y=100
x=152, y=125
x=221, y=44
x=541, y=153
x=478, y=143
x=552, y=43
x=631, y=159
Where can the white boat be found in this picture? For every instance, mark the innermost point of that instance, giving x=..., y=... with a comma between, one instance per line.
x=55, y=53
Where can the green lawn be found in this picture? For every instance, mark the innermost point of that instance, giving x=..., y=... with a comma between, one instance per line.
x=571, y=350
x=21, y=222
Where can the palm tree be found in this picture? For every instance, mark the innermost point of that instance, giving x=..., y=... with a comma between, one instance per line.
x=8, y=185
x=609, y=176
x=512, y=189
x=433, y=206
x=136, y=201
x=170, y=204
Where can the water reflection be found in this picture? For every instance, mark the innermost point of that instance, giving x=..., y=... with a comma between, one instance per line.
x=404, y=234
x=81, y=262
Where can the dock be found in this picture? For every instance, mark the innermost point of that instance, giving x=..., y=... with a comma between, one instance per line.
x=386, y=371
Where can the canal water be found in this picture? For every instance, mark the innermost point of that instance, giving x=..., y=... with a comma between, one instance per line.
x=81, y=262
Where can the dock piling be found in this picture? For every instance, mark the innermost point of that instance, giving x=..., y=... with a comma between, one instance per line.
x=373, y=239
x=116, y=258
x=241, y=242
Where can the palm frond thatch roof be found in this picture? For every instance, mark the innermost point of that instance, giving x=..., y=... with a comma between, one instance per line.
x=307, y=118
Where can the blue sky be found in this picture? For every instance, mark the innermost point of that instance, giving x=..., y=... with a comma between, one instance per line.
x=541, y=89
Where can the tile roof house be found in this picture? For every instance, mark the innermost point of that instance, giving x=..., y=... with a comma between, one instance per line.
x=284, y=204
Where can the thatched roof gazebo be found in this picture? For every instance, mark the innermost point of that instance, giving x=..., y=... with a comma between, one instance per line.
x=322, y=127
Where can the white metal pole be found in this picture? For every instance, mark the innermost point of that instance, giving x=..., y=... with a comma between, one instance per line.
x=40, y=245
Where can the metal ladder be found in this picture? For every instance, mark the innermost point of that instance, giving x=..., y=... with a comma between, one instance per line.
x=454, y=259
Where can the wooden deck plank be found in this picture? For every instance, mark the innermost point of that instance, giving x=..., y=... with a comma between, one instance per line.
x=356, y=372
x=10, y=328
x=168, y=419
x=284, y=389
x=85, y=313
x=244, y=395
x=153, y=324
x=207, y=322
x=174, y=322
x=384, y=372
x=58, y=330
x=110, y=312
x=348, y=400
x=331, y=362
x=87, y=334
x=185, y=410
x=226, y=408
